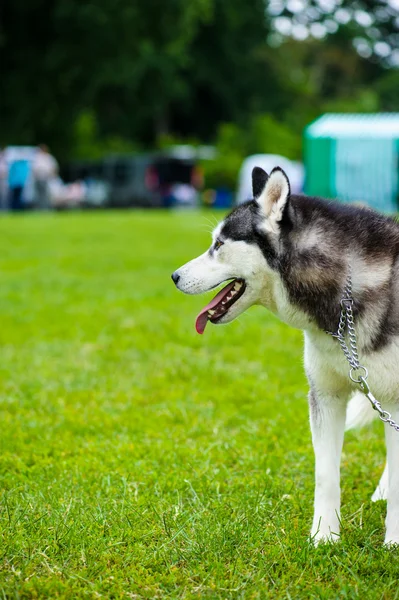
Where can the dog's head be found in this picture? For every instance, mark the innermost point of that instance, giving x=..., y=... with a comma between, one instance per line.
x=244, y=252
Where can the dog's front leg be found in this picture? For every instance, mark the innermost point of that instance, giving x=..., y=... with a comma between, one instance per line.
x=327, y=419
x=392, y=520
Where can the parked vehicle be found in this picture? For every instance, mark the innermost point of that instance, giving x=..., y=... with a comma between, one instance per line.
x=159, y=180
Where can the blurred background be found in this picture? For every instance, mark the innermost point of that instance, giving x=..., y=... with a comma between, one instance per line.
x=137, y=458
x=122, y=103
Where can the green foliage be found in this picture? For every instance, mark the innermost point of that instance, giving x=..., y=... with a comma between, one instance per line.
x=271, y=136
x=88, y=145
x=145, y=70
x=263, y=135
x=230, y=151
x=365, y=101
x=388, y=91
x=140, y=460
x=123, y=60
x=168, y=140
x=363, y=25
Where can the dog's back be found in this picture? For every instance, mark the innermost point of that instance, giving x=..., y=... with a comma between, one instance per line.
x=324, y=240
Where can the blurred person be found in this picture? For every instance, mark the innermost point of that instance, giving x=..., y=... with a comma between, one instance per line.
x=3, y=180
x=45, y=168
x=18, y=174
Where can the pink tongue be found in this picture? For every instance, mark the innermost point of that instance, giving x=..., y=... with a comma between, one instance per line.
x=203, y=317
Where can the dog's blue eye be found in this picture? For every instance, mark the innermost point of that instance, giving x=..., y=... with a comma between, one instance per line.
x=218, y=243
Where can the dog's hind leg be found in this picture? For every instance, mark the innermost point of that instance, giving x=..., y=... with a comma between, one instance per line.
x=327, y=419
x=381, y=492
x=392, y=520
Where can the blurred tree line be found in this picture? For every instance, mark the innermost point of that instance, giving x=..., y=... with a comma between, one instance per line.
x=119, y=75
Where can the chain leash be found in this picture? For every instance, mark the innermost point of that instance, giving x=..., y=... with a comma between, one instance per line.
x=357, y=373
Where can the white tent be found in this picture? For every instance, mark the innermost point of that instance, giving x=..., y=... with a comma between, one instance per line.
x=294, y=170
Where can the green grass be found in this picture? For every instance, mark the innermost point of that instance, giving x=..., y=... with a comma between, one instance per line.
x=140, y=460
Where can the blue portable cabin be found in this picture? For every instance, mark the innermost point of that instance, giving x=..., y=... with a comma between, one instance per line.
x=355, y=158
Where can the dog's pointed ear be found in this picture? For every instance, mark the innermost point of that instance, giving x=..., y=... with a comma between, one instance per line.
x=259, y=179
x=273, y=198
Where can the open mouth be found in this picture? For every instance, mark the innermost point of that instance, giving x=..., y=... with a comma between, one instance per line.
x=220, y=304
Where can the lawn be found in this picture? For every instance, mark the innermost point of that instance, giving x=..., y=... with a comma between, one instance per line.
x=141, y=460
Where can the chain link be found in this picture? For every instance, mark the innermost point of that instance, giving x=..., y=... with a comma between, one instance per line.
x=346, y=322
x=384, y=415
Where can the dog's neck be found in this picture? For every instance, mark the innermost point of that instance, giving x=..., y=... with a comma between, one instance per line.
x=275, y=298
x=316, y=307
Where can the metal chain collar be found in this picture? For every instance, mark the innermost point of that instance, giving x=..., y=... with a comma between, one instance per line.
x=357, y=373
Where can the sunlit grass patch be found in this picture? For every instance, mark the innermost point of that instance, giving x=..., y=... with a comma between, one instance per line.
x=140, y=460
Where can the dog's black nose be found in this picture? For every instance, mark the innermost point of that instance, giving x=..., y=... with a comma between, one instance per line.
x=175, y=277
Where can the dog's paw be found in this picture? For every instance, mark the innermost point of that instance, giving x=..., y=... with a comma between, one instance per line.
x=324, y=537
x=325, y=529
x=391, y=541
x=379, y=494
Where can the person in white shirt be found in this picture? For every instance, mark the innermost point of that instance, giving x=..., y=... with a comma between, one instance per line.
x=44, y=169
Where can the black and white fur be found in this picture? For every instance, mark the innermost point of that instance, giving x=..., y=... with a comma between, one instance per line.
x=295, y=254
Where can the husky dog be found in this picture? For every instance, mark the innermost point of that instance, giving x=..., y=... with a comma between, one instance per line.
x=293, y=254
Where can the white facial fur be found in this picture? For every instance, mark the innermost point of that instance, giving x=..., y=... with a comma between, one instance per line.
x=240, y=259
x=234, y=259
